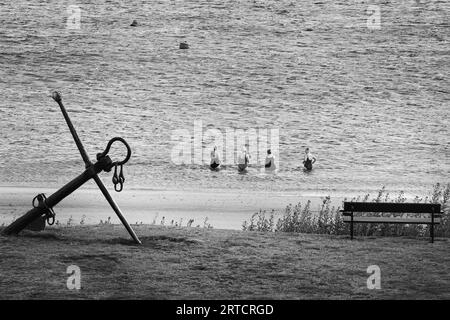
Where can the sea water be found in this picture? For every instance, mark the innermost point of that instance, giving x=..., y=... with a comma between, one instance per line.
x=370, y=101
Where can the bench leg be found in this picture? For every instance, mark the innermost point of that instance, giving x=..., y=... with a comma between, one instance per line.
x=432, y=232
x=351, y=228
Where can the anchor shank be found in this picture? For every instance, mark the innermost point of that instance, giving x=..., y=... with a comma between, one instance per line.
x=73, y=185
x=21, y=223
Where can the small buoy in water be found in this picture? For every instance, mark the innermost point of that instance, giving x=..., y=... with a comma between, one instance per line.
x=184, y=45
x=134, y=23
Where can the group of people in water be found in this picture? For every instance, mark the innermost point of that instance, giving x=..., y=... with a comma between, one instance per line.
x=244, y=160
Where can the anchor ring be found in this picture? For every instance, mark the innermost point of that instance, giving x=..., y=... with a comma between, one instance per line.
x=108, y=146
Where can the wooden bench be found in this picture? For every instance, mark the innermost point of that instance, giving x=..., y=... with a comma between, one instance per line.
x=418, y=209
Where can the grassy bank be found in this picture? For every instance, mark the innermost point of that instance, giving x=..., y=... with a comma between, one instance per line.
x=201, y=263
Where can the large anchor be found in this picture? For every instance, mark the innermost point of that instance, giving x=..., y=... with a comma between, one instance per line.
x=43, y=206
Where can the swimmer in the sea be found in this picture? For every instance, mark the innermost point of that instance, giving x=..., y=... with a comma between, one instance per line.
x=243, y=159
x=309, y=160
x=215, y=159
x=270, y=161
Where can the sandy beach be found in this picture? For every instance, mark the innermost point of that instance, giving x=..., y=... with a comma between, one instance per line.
x=225, y=209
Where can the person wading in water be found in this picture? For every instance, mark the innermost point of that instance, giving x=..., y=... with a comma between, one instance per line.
x=270, y=161
x=243, y=160
x=215, y=159
x=309, y=160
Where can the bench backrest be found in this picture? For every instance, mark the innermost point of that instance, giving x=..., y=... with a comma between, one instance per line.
x=392, y=207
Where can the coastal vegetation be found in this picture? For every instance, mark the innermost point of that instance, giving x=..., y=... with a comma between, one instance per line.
x=327, y=219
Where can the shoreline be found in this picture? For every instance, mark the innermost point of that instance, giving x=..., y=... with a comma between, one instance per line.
x=311, y=191
x=223, y=208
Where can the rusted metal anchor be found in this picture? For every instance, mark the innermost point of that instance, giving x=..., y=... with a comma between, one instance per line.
x=43, y=209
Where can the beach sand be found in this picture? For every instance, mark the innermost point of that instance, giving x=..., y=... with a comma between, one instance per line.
x=225, y=209
x=199, y=263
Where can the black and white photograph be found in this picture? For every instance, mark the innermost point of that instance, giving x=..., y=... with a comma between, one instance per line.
x=225, y=155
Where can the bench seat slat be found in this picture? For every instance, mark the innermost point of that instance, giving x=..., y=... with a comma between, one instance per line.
x=436, y=215
x=392, y=207
x=357, y=219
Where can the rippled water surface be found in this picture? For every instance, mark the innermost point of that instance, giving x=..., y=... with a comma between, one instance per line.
x=373, y=105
